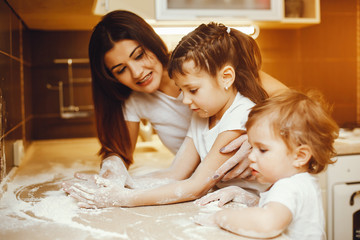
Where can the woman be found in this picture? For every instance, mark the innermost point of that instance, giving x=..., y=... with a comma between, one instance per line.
x=130, y=82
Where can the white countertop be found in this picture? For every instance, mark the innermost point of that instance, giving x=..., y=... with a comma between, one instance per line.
x=34, y=207
x=348, y=142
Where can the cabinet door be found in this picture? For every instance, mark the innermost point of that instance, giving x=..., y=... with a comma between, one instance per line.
x=343, y=211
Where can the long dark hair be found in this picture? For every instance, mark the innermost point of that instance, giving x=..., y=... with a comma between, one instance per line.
x=109, y=94
x=211, y=47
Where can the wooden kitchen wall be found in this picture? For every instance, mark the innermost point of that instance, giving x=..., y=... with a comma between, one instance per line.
x=15, y=86
x=323, y=57
x=48, y=46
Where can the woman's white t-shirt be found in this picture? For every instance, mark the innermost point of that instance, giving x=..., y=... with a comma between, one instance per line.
x=168, y=115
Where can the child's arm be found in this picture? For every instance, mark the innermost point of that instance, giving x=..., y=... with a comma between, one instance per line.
x=182, y=166
x=265, y=222
x=112, y=166
x=179, y=191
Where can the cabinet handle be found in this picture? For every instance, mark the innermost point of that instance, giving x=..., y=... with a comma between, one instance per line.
x=353, y=196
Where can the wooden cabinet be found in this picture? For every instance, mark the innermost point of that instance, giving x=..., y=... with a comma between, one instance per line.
x=310, y=15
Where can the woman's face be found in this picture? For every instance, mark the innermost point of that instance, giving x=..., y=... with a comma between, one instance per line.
x=134, y=66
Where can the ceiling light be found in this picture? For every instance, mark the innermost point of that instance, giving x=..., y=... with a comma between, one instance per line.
x=101, y=7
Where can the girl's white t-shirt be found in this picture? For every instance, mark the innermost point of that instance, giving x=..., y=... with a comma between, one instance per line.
x=233, y=119
x=168, y=115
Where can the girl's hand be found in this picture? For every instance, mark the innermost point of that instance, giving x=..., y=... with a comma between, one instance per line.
x=228, y=194
x=238, y=165
x=100, y=196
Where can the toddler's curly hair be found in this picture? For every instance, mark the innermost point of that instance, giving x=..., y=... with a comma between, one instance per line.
x=300, y=119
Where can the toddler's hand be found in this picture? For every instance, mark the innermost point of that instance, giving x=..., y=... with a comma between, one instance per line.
x=228, y=194
x=207, y=220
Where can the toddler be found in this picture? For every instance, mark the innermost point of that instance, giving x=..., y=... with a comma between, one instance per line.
x=292, y=138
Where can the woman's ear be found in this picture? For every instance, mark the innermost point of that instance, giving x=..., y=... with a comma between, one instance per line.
x=227, y=76
x=303, y=154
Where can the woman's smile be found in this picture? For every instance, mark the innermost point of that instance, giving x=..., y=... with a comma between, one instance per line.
x=146, y=80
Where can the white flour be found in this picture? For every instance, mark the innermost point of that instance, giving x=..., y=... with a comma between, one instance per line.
x=35, y=204
x=27, y=203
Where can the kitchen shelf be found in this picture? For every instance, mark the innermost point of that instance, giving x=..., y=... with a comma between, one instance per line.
x=310, y=16
x=71, y=110
x=274, y=17
x=193, y=17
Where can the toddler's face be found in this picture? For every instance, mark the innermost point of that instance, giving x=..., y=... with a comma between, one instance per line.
x=202, y=92
x=270, y=158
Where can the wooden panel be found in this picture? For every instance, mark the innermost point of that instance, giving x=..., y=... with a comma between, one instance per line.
x=323, y=57
x=55, y=14
x=4, y=28
x=51, y=45
x=47, y=127
x=15, y=36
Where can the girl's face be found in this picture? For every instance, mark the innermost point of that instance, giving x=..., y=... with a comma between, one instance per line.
x=270, y=158
x=134, y=66
x=203, y=93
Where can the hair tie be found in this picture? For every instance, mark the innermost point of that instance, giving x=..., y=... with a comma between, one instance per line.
x=228, y=30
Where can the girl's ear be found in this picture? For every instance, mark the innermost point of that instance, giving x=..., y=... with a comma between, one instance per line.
x=227, y=76
x=302, y=156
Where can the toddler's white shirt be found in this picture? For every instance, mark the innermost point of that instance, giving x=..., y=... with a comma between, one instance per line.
x=301, y=194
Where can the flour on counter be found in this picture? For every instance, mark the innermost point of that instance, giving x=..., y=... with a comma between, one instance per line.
x=32, y=201
x=32, y=205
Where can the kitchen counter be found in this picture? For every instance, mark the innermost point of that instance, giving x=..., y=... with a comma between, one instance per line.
x=33, y=206
x=348, y=142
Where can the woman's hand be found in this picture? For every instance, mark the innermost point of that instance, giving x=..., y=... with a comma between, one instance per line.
x=238, y=165
x=228, y=194
x=112, y=170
